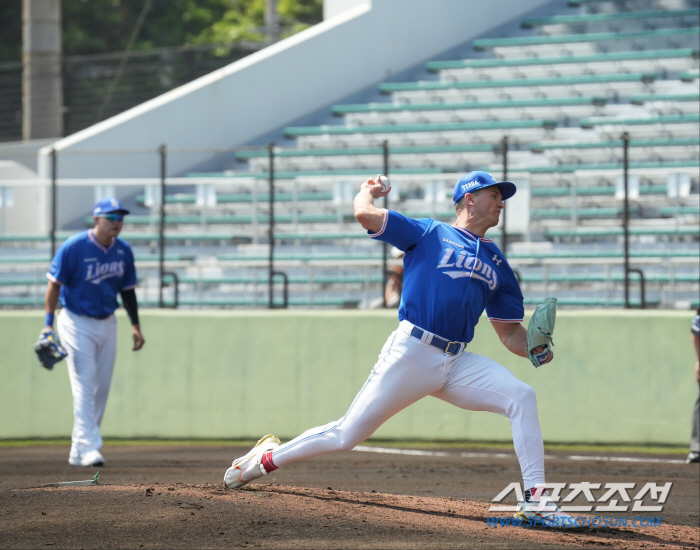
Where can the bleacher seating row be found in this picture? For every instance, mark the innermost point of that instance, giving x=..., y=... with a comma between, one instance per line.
x=357, y=274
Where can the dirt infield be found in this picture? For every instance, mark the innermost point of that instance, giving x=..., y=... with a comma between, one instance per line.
x=171, y=496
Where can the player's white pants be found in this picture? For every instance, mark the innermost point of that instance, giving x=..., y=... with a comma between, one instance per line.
x=408, y=370
x=92, y=348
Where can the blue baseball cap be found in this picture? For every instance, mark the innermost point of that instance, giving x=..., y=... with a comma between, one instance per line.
x=108, y=206
x=476, y=180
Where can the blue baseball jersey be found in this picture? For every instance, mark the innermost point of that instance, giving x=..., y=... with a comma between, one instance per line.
x=450, y=277
x=91, y=275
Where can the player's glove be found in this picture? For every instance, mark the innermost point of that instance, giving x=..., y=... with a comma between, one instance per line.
x=540, y=330
x=48, y=349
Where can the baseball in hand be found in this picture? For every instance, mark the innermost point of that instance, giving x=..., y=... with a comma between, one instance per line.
x=385, y=183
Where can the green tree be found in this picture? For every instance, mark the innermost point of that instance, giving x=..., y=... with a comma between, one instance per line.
x=95, y=26
x=245, y=20
x=104, y=26
x=10, y=30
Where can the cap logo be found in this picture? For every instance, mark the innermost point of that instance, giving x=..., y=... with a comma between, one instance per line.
x=114, y=203
x=469, y=185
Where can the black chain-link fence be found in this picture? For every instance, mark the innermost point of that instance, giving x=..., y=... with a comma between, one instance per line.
x=11, y=101
x=96, y=87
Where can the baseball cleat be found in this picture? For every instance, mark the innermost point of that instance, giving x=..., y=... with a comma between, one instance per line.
x=91, y=458
x=74, y=458
x=249, y=467
x=693, y=457
x=544, y=511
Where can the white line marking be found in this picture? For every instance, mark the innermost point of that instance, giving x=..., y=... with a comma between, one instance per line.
x=628, y=459
x=410, y=452
x=415, y=452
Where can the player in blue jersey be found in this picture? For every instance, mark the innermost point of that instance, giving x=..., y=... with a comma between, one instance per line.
x=85, y=276
x=452, y=274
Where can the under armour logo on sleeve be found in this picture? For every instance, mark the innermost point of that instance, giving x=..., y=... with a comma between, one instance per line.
x=496, y=259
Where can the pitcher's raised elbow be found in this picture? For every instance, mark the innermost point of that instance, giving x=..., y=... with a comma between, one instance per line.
x=365, y=218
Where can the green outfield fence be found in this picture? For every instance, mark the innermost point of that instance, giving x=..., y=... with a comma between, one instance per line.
x=618, y=377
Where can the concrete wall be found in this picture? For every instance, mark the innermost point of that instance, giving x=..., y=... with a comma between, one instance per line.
x=618, y=376
x=332, y=8
x=20, y=205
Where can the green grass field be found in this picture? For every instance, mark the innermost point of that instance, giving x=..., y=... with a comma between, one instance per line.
x=500, y=446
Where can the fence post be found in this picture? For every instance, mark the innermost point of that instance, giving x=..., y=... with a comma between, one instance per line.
x=271, y=266
x=504, y=150
x=625, y=217
x=161, y=229
x=54, y=189
x=385, y=245
x=271, y=228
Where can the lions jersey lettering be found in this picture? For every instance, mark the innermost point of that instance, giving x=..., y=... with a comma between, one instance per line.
x=91, y=275
x=467, y=275
x=470, y=267
x=98, y=272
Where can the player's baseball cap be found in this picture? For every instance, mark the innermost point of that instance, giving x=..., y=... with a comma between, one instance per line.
x=109, y=205
x=476, y=180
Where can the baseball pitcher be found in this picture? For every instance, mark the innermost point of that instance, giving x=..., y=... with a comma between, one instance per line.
x=452, y=274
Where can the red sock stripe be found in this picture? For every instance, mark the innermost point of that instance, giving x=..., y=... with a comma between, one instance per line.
x=267, y=462
x=537, y=492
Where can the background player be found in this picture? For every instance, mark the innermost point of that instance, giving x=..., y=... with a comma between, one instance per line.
x=694, y=454
x=86, y=275
x=452, y=273
x=394, y=284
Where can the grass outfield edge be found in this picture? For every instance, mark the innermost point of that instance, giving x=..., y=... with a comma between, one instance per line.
x=493, y=445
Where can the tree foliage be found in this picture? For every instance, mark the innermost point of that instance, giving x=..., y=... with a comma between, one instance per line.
x=245, y=20
x=105, y=26
x=10, y=30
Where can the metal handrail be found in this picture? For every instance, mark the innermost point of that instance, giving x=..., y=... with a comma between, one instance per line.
x=642, y=302
x=176, y=284
x=285, y=291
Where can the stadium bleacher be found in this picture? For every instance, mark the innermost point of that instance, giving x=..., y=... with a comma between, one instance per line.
x=563, y=93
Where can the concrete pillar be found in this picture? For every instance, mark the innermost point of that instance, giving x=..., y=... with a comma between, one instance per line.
x=272, y=23
x=42, y=94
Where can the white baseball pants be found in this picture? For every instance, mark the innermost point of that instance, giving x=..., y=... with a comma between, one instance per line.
x=408, y=370
x=92, y=348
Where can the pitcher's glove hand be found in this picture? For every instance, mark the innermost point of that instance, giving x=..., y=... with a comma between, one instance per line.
x=540, y=330
x=48, y=349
